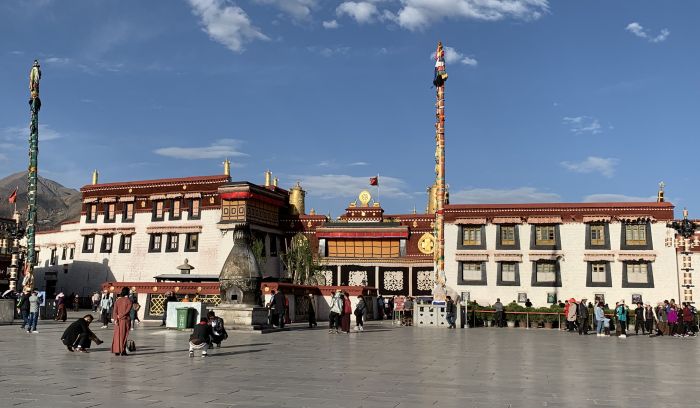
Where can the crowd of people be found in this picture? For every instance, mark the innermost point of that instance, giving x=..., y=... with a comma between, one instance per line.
x=665, y=319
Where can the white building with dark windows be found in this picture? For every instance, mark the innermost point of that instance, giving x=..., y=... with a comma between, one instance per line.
x=548, y=252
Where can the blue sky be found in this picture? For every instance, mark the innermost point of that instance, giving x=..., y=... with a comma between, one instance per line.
x=546, y=101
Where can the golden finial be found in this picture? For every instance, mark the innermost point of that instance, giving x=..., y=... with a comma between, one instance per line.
x=660, y=194
x=95, y=176
x=227, y=167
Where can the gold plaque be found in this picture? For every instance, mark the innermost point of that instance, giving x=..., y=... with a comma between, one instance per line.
x=426, y=243
x=364, y=198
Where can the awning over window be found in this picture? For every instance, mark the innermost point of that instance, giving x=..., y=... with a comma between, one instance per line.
x=596, y=218
x=471, y=256
x=108, y=231
x=157, y=197
x=553, y=219
x=470, y=221
x=173, y=195
x=174, y=229
x=109, y=199
x=544, y=256
x=90, y=200
x=508, y=257
x=595, y=257
x=507, y=220
x=193, y=195
x=636, y=256
x=129, y=199
x=635, y=218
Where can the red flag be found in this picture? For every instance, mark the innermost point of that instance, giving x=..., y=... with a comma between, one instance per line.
x=374, y=181
x=13, y=197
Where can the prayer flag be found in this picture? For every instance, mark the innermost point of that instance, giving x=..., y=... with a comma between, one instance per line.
x=13, y=197
x=374, y=181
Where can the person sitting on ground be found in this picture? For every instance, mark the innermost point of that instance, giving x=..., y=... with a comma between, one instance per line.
x=78, y=335
x=200, y=337
x=218, y=331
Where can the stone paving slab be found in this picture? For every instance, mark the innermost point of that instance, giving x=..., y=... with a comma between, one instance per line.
x=386, y=366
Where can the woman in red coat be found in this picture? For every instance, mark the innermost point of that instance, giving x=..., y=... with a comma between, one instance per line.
x=122, y=322
x=347, y=311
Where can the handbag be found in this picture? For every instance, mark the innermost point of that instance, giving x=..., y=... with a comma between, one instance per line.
x=130, y=345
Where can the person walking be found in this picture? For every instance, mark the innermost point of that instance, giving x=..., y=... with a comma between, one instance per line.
x=661, y=319
x=672, y=316
x=33, y=312
x=76, y=303
x=23, y=307
x=311, y=312
x=360, y=310
x=335, y=311
x=450, y=312
x=95, y=302
x=639, y=321
x=621, y=313
x=582, y=315
x=687, y=320
x=200, y=337
x=272, y=317
x=571, y=315
x=498, y=307
x=380, y=307
x=279, y=303
x=649, y=319
x=218, y=331
x=347, y=311
x=134, y=312
x=122, y=322
x=599, y=314
x=61, y=307
x=106, y=304
x=78, y=335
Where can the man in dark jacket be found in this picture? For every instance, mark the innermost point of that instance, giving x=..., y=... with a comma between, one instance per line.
x=23, y=306
x=78, y=335
x=450, y=313
x=278, y=302
x=218, y=331
x=639, y=319
x=200, y=337
x=582, y=314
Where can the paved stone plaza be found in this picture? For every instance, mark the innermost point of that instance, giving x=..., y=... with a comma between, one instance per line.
x=386, y=366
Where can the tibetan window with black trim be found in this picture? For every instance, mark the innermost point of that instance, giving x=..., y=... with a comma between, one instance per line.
x=637, y=275
x=89, y=243
x=71, y=253
x=91, y=214
x=194, y=213
x=507, y=237
x=176, y=209
x=508, y=274
x=110, y=211
x=472, y=237
x=598, y=236
x=546, y=273
x=173, y=243
x=472, y=273
x=64, y=252
x=158, y=210
x=156, y=243
x=192, y=242
x=106, y=246
x=125, y=244
x=545, y=237
x=598, y=274
x=636, y=236
x=54, y=259
x=128, y=212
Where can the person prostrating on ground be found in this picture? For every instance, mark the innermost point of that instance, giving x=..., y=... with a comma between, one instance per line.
x=78, y=335
x=200, y=339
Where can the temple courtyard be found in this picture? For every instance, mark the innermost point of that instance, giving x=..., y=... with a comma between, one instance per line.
x=386, y=366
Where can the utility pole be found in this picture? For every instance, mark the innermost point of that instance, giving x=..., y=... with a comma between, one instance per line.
x=34, y=107
x=439, y=291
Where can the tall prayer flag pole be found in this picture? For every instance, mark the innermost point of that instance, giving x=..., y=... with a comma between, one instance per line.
x=34, y=107
x=439, y=291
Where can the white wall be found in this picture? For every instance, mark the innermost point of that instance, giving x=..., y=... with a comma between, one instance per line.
x=573, y=267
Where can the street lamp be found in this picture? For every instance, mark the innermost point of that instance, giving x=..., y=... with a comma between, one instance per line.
x=686, y=242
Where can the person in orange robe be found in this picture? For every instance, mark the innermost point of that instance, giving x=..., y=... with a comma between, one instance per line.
x=122, y=322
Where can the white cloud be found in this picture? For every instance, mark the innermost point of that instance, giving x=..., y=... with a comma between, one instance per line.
x=616, y=198
x=360, y=163
x=226, y=23
x=637, y=29
x=419, y=14
x=362, y=11
x=57, y=60
x=453, y=56
x=329, y=186
x=328, y=51
x=583, y=124
x=592, y=164
x=298, y=9
x=219, y=149
x=19, y=133
x=505, y=196
x=331, y=24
